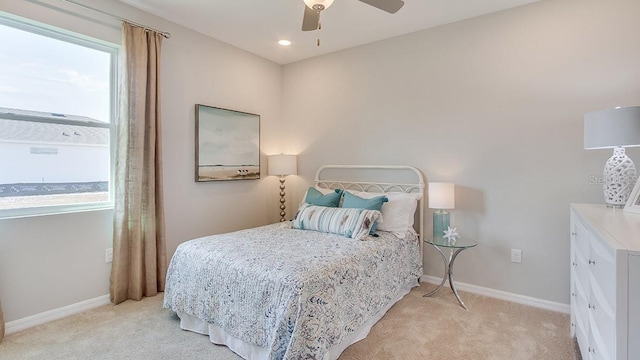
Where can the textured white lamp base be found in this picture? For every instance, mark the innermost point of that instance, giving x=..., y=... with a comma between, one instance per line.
x=619, y=178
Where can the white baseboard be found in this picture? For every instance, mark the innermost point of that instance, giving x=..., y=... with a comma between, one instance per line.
x=55, y=314
x=503, y=295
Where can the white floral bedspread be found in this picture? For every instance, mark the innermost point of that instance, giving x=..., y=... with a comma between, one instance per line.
x=295, y=292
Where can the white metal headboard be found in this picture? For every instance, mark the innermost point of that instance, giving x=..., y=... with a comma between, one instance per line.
x=416, y=186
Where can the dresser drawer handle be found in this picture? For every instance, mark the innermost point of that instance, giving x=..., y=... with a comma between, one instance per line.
x=573, y=294
x=573, y=233
x=592, y=307
x=592, y=262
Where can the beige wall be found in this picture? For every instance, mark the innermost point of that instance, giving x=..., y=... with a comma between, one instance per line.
x=52, y=261
x=494, y=104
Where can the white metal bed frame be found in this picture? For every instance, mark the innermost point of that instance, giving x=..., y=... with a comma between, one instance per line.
x=416, y=187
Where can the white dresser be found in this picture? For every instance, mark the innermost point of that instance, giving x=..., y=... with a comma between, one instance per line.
x=605, y=282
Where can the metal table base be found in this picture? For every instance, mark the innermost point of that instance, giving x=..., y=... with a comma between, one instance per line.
x=448, y=273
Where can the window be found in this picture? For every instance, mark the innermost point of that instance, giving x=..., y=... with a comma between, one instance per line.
x=57, y=96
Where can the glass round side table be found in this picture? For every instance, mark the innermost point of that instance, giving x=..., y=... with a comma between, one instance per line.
x=455, y=247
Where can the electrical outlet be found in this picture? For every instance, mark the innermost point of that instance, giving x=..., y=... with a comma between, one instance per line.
x=516, y=256
x=108, y=255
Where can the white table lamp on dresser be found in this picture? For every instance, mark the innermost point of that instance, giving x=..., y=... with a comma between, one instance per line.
x=282, y=165
x=615, y=129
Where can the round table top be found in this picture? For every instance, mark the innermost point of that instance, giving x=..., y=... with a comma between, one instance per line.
x=458, y=243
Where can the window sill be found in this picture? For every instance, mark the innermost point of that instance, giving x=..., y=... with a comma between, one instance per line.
x=52, y=210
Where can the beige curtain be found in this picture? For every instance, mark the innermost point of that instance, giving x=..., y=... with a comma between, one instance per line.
x=139, y=247
x=1, y=324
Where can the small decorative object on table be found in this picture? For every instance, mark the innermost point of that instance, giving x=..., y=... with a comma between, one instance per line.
x=451, y=234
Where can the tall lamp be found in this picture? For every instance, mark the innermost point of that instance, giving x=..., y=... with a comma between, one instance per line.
x=615, y=129
x=282, y=165
x=441, y=198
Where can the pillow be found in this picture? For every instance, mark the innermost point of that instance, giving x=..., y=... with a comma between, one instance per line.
x=330, y=199
x=398, y=213
x=353, y=223
x=375, y=203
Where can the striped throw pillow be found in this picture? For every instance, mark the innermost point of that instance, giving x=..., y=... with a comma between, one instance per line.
x=353, y=223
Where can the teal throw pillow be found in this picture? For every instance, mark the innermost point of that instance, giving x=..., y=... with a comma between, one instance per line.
x=315, y=197
x=374, y=203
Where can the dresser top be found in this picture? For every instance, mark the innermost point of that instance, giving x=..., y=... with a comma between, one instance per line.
x=619, y=226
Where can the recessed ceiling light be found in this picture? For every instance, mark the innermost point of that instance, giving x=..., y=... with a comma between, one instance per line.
x=284, y=42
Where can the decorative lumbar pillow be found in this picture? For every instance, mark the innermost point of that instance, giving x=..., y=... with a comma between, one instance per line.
x=315, y=197
x=375, y=203
x=353, y=223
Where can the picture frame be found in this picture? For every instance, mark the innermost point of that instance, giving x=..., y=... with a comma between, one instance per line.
x=633, y=202
x=227, y=144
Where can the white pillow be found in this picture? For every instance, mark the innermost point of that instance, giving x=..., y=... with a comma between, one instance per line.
x=324, y=191
x=398, y=213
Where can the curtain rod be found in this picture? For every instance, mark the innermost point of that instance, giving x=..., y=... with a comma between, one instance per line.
x=163, y=33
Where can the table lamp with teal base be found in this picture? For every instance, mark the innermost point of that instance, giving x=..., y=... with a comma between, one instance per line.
x=441, y=198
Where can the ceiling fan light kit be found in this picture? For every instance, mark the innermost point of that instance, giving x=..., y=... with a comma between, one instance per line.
x=311, y=18
x=318, y=4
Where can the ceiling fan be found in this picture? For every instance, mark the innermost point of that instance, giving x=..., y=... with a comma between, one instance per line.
x=312, y=9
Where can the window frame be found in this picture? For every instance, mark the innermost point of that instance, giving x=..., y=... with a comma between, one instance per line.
x=114, y=52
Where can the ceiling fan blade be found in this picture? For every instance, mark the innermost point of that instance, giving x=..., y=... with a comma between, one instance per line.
x=390, y=6
x=311, y=19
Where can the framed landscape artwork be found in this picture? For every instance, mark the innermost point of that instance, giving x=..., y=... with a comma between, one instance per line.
x=227, y=144
x=633, y=203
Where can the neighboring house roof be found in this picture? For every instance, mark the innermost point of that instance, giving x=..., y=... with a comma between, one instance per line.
x=43, y=127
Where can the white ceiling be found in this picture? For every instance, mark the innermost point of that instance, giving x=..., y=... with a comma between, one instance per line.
x=257, y=25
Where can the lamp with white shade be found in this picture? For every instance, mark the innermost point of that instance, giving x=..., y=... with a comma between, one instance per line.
x=441, y=198
x=615, y=129
x=282, y=165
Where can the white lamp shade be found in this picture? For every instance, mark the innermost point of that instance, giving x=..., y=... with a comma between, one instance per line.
x=283, y=164
x=612, y=128
x=441, y=195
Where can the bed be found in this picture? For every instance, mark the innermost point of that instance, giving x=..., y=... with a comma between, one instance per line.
x=286, y=291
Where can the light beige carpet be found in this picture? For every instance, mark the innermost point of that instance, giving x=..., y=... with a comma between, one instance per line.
x=415, y=328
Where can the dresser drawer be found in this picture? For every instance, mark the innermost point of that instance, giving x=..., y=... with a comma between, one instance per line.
x=603, y=326
x=581, y=237
x=583, y=340
x=602, y=267
x=581, y=323
x=581, y=319
x=597, y=349
x=580, y=269
x=634, y=307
